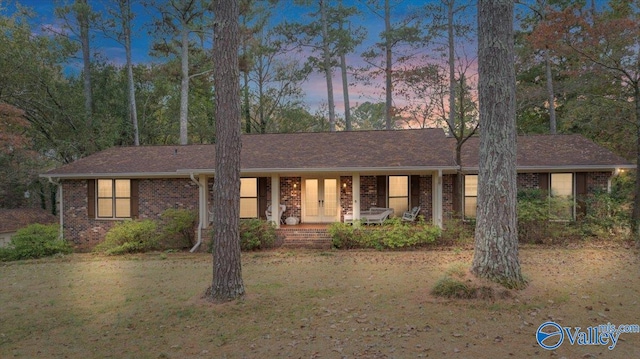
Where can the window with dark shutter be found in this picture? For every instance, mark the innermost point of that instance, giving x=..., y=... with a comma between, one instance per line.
x=381, y=184
x=114, y=199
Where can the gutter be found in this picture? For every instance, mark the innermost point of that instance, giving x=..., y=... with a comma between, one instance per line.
x=200, y=225
x=60, y=210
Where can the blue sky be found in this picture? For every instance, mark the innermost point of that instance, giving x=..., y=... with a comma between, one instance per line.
x=315, y=88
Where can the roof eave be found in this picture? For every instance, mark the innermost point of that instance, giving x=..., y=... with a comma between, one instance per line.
x=580, y=168
x=115, y=175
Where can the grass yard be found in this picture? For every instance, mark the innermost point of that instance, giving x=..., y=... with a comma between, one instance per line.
x=305, y=304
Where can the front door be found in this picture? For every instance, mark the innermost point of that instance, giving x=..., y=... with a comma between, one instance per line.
x=320, y=200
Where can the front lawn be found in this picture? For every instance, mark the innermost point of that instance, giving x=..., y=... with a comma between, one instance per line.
x=308, y=304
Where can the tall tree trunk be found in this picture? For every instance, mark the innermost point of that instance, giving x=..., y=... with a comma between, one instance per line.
x=388, y=66
x=635, y=215
x=245, y=95
x=550, y=94
x=83, y=22
x=452, y=65
x=184, y=84
x=227, y=269
x=496, y=237
x=127, y=18
x=327, y=64
x=345, y=92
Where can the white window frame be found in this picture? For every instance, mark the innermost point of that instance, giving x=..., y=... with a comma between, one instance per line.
x=244, y=179
x=407, y=196
x=465, y=196
x=572, y=196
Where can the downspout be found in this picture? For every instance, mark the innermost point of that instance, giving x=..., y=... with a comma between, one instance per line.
x=60, y=209
x=195, y=247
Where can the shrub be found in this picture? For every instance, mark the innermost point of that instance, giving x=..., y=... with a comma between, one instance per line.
x=606, y=214
x=393, y=234
x=35, y=241
x=130, y=237
x=448, y=287
x=458, y=231
x=343, y=235
x=256, y=234
x=179, y=222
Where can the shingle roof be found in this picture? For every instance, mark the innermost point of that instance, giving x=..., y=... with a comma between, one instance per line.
x=356, y=150
x=13, y=219
x=552, y=151
x=293, y=151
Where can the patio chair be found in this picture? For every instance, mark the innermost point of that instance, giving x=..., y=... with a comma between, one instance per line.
x=376, y=215
x=268, y=213
x=411, y=215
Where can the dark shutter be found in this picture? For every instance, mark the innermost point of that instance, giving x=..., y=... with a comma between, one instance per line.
x=135, y=198
x=415, y=191
x=543, y=181
x=262, y=197
x=457, y=193
x=91, y=198
x=382, y=191
x=581, y=193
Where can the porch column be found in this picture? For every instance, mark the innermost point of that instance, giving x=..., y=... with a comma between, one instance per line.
x=203, y=197
x=355, y=183
x=436, y=198
x=275, y=199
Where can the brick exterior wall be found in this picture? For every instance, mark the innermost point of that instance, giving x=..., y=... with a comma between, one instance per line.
x=447, y=196
x=289, y=196
x=156, y=195
x=346, y=195
x=426, y=199
x=528, y=181
x=368, y=192
x=597, y=181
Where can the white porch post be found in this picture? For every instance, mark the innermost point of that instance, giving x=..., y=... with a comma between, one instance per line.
x=355, y=183
x=204, y=200
x=436, y=198
x=275, y=199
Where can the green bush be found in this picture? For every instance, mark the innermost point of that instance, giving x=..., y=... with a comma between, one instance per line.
x=606, y=214
x=448, y=287
x=256, y=234
x=35, y=241
x=343, y=235
x=181, y=223
x=393, y=234
x=130, y=237
x=458, y=231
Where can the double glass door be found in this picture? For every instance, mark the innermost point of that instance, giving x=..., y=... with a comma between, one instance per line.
x=320, y=200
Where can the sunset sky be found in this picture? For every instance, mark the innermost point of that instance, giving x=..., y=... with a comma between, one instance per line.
x=315, y=87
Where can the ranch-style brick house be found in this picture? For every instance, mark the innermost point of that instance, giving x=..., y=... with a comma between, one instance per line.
x=318, y=177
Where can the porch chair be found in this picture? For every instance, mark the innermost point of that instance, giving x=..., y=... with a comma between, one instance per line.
x=268, y=213
x=411, y=215
x=375, y=215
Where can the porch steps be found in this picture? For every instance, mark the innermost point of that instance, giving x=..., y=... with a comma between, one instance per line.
x=308, y=238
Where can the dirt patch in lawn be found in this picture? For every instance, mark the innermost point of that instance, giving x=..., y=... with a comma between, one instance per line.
x=310, y=304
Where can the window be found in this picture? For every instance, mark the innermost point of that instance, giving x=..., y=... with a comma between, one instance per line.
x=562, y=192
x=114, y=198
x=399, y=194
x=248, y=198
x=470, y=195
